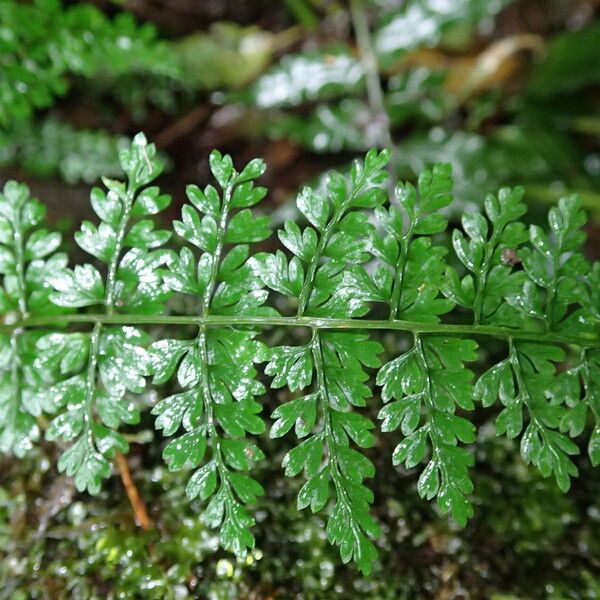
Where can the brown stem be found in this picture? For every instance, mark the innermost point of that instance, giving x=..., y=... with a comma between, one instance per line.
x=139, y=508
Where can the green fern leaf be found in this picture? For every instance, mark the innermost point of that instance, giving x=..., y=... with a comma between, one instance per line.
x=27, y=254
x=89, y=376
x=337, y=269
x=325, y=276
x=217, y=407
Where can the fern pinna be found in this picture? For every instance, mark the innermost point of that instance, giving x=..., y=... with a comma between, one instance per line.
x=78, y=344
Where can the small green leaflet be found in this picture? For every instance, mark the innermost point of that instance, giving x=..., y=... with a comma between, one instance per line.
x=217, y=407
x=88, y=378
x=490, y=256
x=332, y=467
x=423, y=389
x=526, y=382
x=333, y=362
x=27, y=255
x=554, y=268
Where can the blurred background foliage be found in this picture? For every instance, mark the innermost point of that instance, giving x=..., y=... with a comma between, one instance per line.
x=508, y=91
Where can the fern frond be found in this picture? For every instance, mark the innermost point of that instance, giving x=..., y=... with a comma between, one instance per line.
x=336, y=272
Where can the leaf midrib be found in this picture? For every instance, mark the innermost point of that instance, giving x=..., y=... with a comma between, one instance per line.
x=304, y=321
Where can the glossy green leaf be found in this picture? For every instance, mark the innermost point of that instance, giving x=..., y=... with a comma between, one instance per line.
x=362, y=272
x=91, y=375
x=431, y=380
x=26, y=259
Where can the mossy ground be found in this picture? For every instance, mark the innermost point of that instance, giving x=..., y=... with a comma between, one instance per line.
x=527, y=539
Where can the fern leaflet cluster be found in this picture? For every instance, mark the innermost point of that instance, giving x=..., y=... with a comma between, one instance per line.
x=78, y=343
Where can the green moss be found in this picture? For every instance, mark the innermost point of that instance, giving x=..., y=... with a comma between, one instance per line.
x=55, y=543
